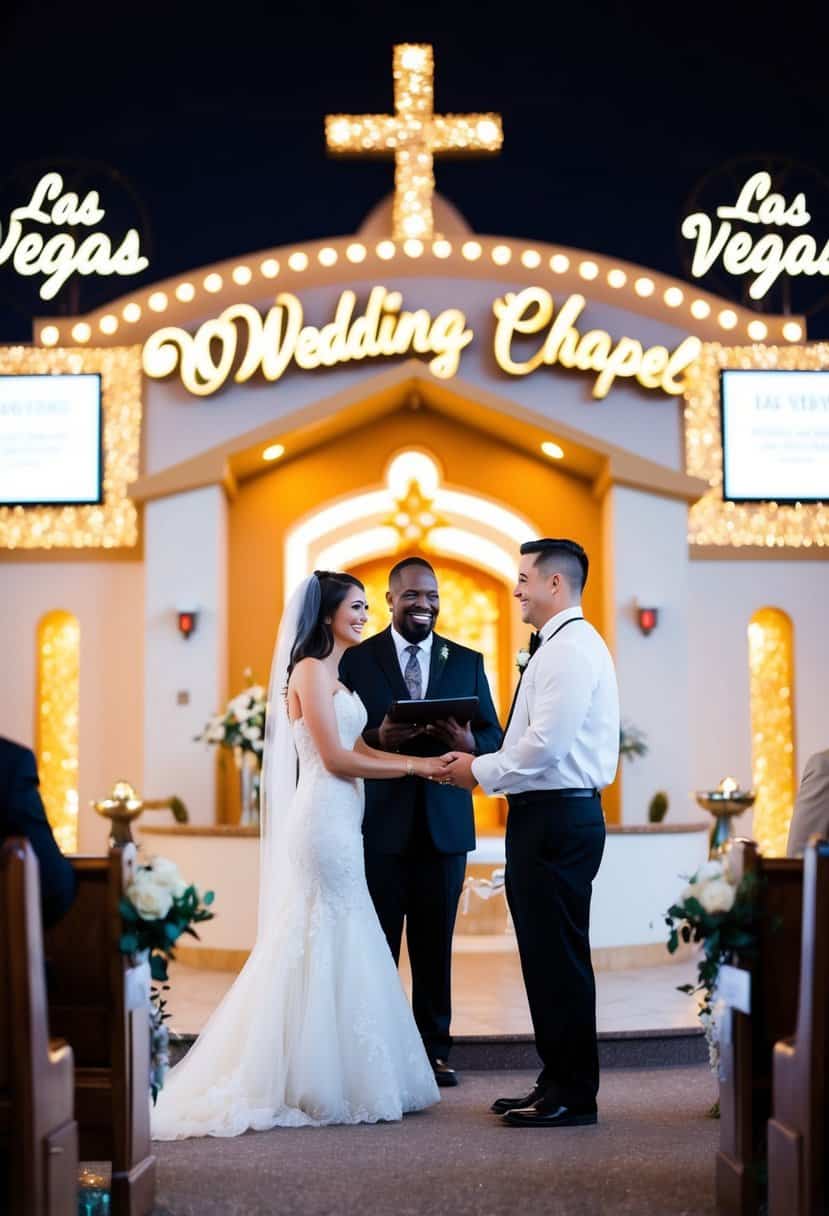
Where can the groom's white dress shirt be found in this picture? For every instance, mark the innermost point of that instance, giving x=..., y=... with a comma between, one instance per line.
x=564, y=732
x=424, y=656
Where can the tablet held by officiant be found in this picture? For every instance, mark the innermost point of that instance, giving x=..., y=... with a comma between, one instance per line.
x=437, y=711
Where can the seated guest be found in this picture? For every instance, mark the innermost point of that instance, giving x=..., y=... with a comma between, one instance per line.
x=811, y=808
x=22, y=814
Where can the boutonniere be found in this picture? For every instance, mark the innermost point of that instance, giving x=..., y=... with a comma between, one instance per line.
x=522, y=659
x=443, y=653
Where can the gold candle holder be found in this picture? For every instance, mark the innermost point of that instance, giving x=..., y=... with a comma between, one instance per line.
x=124, y=805
x=724, y=803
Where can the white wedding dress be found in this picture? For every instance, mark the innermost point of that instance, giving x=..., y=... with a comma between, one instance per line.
x=317, y=1028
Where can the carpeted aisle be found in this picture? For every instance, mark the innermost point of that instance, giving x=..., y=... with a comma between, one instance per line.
x=652, y=1154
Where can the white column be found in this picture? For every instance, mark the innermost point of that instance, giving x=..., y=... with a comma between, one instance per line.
x=185, y=544
x=647, y=543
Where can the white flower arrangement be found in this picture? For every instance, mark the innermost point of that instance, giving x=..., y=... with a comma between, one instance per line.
x=444, y=652
x=242, y=724
x=522, y=659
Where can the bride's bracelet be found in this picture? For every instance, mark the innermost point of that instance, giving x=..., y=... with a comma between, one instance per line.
x=410, y=768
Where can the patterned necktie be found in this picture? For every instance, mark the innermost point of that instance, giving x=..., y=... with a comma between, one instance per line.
x=412, y=674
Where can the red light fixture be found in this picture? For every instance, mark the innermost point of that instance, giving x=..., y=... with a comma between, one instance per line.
x=647, y=619
x=187, y=622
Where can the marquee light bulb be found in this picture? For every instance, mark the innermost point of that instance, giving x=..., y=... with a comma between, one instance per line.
x=327, y=256
x=588, y=270
x=673, y=297
x=185, y=292
x=471, y=250
x=700, y=309
x=727, y=318
x=213, y=283
x=49, y=335
x=298, y=260
x=559, y=263
x=792, y=332
x=644, y=287
x=413, y=248
x=273, y=451
x=131, y=312
x=356, y=253
x=81, y=332
x=531, y=258
x=270, y=268
x=157, y=301
x=385, y=250
x=108, y=323
x=616, y=277
x=242, y=275
x=553, y=450
x=757, y=330
x=501, y=254
x=441, y=249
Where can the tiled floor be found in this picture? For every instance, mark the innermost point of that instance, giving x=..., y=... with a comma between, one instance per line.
x=488, y=995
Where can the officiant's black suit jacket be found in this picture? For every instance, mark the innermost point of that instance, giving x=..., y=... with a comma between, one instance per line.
x=22, y=814
x=372, y=670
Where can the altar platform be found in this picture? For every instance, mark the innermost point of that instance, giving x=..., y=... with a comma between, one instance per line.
x=643, y=1020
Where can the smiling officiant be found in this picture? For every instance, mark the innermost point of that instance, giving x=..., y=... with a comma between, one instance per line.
x=417, y=833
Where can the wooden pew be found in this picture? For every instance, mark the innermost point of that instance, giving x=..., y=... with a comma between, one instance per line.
x=798, y=1134
x=97, y=1002
x=38, y=1133
x=747, y=1040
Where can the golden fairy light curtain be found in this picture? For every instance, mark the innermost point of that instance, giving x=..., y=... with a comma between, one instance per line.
x=57, y=708
x=771, y=667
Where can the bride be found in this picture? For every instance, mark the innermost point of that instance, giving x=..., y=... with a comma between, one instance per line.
x=316, y=1029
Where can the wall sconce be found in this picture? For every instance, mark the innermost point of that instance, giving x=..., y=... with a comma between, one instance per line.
x=187, y=619
x=647, y=619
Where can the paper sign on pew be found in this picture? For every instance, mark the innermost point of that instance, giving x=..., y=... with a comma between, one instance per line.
x=734, y=988
x=138, y=986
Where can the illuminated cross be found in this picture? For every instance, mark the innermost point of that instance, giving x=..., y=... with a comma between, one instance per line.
x=413, y=134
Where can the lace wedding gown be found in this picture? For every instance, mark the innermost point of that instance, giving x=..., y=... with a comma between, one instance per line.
x=317, y=1028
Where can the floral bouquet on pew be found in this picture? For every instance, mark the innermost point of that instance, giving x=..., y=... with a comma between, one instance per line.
x=721, y=915
x=158, y=906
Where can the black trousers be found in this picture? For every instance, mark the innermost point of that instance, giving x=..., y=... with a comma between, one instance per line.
x=422, y=887
x=553, y=848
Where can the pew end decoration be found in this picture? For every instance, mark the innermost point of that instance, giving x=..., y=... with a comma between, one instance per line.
x=157, y=907
x=720, y=914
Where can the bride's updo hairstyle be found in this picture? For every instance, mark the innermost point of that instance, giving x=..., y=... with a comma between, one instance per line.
x=315, y=637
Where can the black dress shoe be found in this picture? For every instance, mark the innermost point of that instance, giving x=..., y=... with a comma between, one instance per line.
x=444, y=1075
x=551, y=1114
x=501, y=1105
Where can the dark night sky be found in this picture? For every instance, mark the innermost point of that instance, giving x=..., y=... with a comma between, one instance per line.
x=612, y=114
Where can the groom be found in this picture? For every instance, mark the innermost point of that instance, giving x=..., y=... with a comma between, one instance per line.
x=417, y=833
x=561, y=748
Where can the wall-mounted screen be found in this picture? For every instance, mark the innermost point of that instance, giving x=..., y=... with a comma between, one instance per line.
x=775, y=435
x=50, y=440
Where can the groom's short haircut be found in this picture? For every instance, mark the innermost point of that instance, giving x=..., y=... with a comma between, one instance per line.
x=560, y=557
x=396, y=571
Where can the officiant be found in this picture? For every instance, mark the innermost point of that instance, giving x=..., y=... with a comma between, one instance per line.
x=417, y=833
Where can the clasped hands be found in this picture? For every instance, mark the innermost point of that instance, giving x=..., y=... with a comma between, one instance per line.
x=454, y=767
